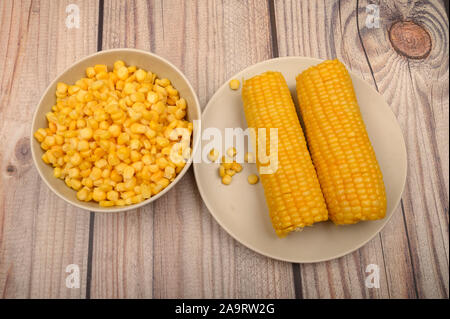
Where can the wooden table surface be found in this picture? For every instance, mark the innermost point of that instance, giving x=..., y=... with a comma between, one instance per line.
x=173, y=247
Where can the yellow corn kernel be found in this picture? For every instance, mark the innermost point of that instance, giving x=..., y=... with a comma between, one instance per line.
x=62, y=88
x=234, y=84
x=222, y=171
x=112, y=195
x=153, y=168
x=40, y=134
x=171, y=90
x=152, y=97
x=49, y=141
x=86, y=133
x=140, y=75
x=45, y=158
x=135, y=144
x=137, y=128
x=231, y=152
x=89, y=182
x=98, y=182
x=147, y=159
x=128, y=172
x=122, y=73
x=115, y=176
x=130, y=184
x=150, y=133
x=90, y=72
x=123, y=138
x=98, y=195
x=127, y=195
x=180, y=114
x=97, y=85
x=181, y=103
x=169, y=172
x=146, y=191
x=162, y=141
x=118, y=64
x=226, y=179
x=73, y=89
x=156, y=176
x=137, y=199
x=120, y=202
x=100, y=68
x=83, y=145
x=120, y=187
x=164, y=182
x=137, y=166
x=213, y=155
x=162, y=162
x=75, y=184
x=227, y=165
x=96, y=173
x=135, y=156
x=230, y=172
x=99, y=152
x=57, y=172
x=163, y=82
x=74, y=172
x=252, y=179
x=101, y=163
x=113, y=159
x=83, y=193
x=236, y=167
x=106, y=203
x=76, y=159
x=123, y=153
x=85, y=173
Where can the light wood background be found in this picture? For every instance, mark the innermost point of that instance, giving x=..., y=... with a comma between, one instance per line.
x=173, y=247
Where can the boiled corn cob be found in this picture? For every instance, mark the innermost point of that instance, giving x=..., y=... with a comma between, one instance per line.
x=346, y=165
x=293, y=192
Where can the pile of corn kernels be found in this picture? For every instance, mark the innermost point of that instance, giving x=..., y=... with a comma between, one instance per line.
x=111, y=134
x=229, y=167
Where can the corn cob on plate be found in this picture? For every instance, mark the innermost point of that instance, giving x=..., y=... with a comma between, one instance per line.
x=241, y=209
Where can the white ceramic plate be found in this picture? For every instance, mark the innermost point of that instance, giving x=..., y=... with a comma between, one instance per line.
x=240, y=208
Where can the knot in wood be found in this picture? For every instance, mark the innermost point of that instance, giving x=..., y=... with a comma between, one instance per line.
x=11, y=170
x=410, y=39
x=22, y=150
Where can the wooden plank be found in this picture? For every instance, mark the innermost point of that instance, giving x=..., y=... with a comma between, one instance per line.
x=418, y=93
x=122, y=261
x=335, y=27
x=39, y=233
x=187, y=254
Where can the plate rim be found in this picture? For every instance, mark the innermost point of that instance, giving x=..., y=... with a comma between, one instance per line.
x=208, y=205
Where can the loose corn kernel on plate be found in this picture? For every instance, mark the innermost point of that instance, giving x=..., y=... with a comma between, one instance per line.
x=240, y=207
x=102, y=132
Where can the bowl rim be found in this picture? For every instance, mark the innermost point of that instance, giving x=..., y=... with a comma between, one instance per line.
x=117, y=209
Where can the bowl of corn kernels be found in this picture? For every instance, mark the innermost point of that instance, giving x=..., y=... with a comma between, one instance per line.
x=115, y=130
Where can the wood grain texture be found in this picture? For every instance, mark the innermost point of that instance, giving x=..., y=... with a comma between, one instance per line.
x=39, y=234
x=174, y=247
x=418, y=230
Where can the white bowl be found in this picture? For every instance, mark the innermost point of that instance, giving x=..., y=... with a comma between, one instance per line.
x=142, y=59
